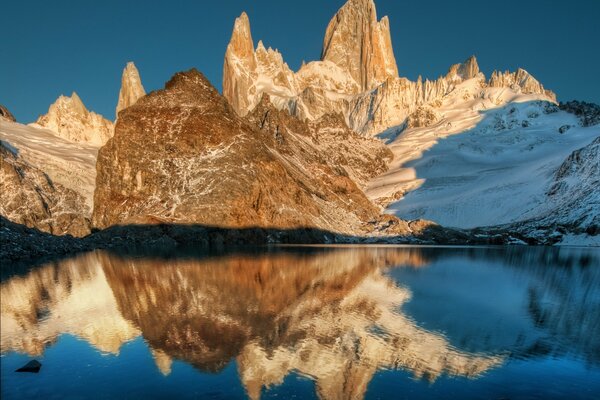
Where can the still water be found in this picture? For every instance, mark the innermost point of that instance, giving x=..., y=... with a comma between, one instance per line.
x=311, y=322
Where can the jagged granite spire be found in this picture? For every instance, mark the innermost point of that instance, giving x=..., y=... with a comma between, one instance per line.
x=359, y=44
x=131, y=88
x=466, y=70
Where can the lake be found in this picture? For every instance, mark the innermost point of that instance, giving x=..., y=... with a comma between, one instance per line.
x=337, y=322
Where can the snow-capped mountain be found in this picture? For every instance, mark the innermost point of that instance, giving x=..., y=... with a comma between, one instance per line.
x=313, y=148
x=468, y=151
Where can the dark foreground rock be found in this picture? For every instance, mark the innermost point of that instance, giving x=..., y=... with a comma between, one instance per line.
x=32, y=366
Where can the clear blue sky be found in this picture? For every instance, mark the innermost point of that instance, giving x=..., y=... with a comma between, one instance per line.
x=50, y=48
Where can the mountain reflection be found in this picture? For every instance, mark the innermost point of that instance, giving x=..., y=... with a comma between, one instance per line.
x=334, y=315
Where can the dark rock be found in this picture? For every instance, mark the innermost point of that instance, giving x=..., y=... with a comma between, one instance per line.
x=4, y=113
x=32, y=366
x=564, y=128
x=588, y=113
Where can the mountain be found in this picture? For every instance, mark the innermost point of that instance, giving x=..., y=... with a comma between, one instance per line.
x=357, y=76
x=69, y=119
x=131, y=88
x=203, y=164
x=360, y=45
x=482, y=165
x=468, y=151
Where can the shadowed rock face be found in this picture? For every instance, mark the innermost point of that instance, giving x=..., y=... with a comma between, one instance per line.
x=5, y=114
x=183, y=155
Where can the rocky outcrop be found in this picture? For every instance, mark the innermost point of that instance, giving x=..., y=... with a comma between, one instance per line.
x=360, y=45
x=6, y=115
x=131, y=88
x=203, y=164
x=574, y=192
x=69, y=119
x=520, y=81
x=464, y=71
x=588, y=113
x=29, y=197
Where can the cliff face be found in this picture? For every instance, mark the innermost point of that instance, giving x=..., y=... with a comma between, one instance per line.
x=131, y=88
x=203, y=164
x=69, y=119
x=361, y=45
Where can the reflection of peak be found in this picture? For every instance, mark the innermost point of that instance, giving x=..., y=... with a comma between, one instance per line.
x=73, y=298
x=163, y=361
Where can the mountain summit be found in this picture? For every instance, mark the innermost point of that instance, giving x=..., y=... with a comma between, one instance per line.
x=360, y=44
x=70, y=119
x=131, y=88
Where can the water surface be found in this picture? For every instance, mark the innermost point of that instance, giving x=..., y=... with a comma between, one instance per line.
x=310, y=322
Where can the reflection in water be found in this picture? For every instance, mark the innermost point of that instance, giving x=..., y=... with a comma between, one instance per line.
x=334, y=315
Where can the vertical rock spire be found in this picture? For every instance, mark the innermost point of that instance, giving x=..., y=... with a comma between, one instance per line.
x=239, y=57
x=359, y=44
x=131, y=88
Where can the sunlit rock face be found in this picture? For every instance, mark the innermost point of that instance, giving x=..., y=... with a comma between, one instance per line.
x=203, y=164
x=69, y=119
x=131, y=88
x=361, y=45
x=356, y=77
x=520, y=81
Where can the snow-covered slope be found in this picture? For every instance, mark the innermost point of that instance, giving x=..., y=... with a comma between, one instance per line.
x=73, y=165
x=490, y=160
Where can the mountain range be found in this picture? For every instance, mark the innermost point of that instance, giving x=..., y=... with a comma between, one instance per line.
x=345, y=145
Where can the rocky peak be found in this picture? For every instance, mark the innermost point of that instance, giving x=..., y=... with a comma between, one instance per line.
x=241, y=44
x=361, y=45
x=248, y=73
x=464, y=71
x=520, y=80
x=131, y=87
x=70, y=119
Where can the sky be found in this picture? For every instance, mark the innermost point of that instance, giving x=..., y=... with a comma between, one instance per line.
x=49, y=48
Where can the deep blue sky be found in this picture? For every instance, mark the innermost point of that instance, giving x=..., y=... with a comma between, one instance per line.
x=50, y=48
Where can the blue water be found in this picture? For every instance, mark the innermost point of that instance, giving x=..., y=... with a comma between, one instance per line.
x=359, y=322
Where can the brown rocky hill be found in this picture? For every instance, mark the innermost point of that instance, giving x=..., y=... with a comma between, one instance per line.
x=182, y=155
